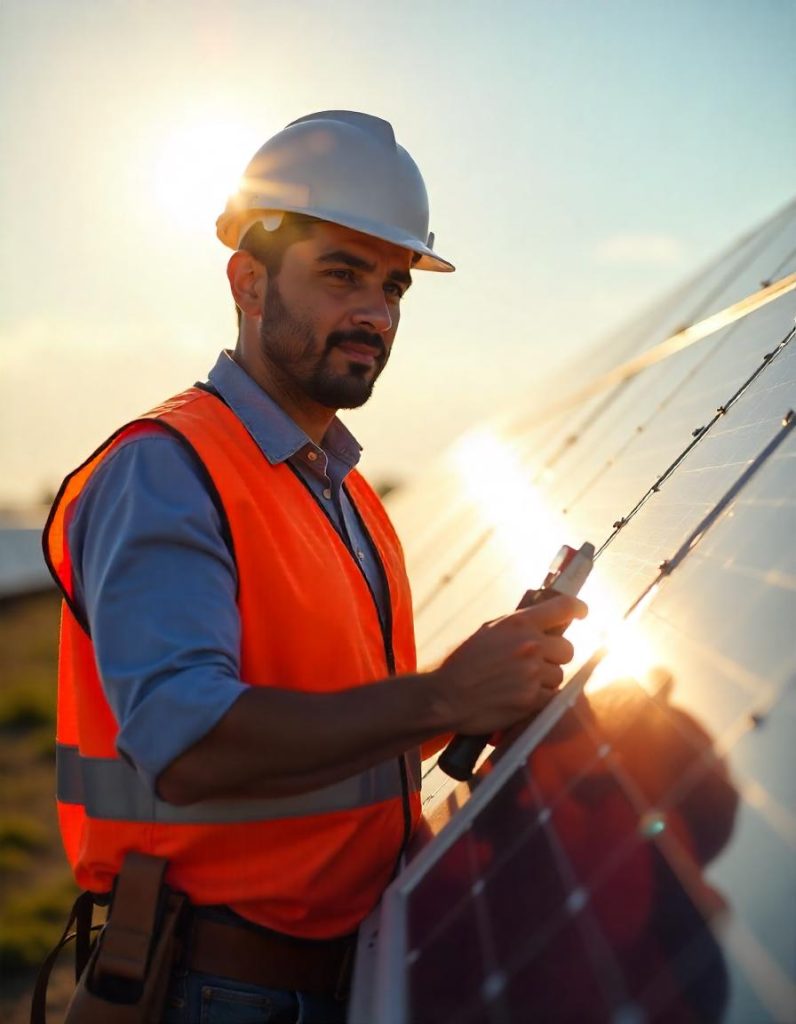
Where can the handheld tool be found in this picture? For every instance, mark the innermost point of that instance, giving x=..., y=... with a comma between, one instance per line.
x=567, y=574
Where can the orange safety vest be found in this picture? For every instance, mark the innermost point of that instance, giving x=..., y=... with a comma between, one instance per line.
x=311, y=865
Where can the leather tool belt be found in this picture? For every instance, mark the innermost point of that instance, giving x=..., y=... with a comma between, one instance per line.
x=124, y=974
x=257, y=956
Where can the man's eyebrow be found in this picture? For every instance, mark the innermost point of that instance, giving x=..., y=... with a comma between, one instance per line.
x=358, y=263
x=348, y=258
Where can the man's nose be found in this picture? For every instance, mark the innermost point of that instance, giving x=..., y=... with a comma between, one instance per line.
x=373, y=312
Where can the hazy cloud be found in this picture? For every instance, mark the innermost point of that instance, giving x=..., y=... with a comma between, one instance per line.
x=643, y=250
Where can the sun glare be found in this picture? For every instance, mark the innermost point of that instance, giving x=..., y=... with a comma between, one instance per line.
x=507, y=501
x=530, y=533
x=196, y=168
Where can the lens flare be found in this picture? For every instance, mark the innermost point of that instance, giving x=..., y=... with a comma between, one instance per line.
x=197, y=167
x=530, y=532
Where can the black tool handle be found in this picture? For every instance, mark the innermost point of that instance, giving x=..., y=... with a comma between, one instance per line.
x=458, y=759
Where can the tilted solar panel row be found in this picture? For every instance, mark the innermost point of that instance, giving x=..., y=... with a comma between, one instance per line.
x=630, y=857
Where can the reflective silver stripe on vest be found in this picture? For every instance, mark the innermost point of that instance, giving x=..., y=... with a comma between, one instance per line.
x=110, y=788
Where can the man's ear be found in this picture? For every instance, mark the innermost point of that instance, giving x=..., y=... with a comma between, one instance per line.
x=248, y=280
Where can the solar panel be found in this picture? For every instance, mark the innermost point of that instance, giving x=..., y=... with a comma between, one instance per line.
x=629, y=857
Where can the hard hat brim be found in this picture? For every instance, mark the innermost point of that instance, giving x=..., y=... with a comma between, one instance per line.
x=232, y=226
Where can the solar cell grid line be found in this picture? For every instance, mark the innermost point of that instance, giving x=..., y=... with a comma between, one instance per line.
x=576, y=435
x=476, y=594
x=706, y=388
x=704, y=525
x=722, y=410
x=444, y=539
x=513, y=843
x=659, y=529
x=500, y=772
x=751, y=623
x=736, y=703
x=496, y=572
x=542, y=454
x=661, y=444
x=502, y=823
x=424, y=510
x=666, y=349
x=476, y=559
x=776, y=260
x=632, y=437
x=485, y=585
x=667, y=316
x=749, y=718
x=625, y=426
x=423, y=548
x=430, y=645
x=756, y=247
x=449, y=575
x=522, y=987
x=700, y=532
x=755, y=854
x=658, y=809
x=576, y=901
x=699, y=755
x=472, y=607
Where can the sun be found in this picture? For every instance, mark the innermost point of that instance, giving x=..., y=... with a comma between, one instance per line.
x=197, y=166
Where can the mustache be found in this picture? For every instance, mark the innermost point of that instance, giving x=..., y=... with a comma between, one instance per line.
x=360, y=337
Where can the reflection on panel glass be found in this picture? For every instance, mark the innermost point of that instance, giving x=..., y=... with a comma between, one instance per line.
x=652, y=831
x=632, y=859
x=507, y=524
x=596, y=848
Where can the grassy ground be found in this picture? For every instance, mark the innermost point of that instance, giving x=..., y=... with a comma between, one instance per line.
x=36, y=889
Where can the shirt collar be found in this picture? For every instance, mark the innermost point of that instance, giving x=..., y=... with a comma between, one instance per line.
x=277, y=436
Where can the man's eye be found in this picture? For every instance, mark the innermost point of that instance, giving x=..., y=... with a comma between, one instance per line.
x=342, y=274
x=394, y=289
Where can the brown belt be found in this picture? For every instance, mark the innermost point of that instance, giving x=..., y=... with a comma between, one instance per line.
x=270, y=959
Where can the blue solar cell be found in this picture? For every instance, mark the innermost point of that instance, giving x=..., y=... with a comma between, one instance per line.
x=447, y=976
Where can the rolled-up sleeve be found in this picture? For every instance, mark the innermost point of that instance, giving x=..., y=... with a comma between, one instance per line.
x=157, y=582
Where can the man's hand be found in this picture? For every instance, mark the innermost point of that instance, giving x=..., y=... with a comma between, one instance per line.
x=507, y=670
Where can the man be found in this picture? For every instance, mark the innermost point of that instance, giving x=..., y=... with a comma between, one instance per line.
x=238, y=690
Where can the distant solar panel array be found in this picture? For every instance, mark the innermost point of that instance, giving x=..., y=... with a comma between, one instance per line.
x=630, y=857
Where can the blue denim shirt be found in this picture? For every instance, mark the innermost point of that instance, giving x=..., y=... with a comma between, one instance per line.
x=157, y=582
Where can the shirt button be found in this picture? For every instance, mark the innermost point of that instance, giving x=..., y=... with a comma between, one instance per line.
x=361, y=555
x=327, y=493
x=312, y=456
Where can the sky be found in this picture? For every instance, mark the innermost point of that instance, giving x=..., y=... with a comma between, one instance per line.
x=581, y=157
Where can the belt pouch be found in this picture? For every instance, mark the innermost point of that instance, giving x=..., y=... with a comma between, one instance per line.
x=128, y=972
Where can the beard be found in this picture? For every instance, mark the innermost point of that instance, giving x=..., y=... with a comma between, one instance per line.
x=304, y=365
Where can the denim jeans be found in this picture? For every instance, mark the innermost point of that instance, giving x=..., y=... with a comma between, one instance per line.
x=196, y=998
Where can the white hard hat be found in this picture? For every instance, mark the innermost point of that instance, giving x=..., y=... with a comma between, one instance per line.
x=340, y=166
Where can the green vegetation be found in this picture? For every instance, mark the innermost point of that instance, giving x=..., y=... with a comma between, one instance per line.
x=26, y=706
x=36, y=887
x=19, y=838
x=32, y=923
x=28, y=651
